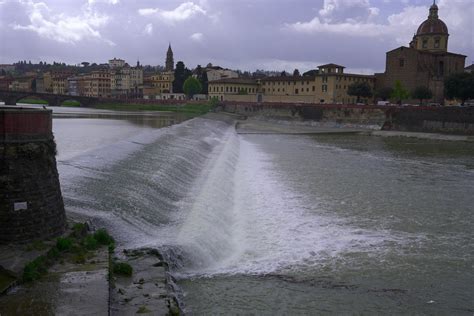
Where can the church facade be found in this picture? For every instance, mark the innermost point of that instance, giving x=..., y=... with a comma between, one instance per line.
x=426, y=62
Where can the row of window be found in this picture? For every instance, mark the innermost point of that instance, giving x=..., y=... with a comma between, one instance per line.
x=233, y=89
x=267, y=83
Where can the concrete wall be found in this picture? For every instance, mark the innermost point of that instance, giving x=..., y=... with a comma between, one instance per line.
x=31, y=205
x=457, y=120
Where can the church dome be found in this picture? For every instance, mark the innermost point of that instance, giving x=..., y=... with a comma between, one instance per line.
x=433, y=25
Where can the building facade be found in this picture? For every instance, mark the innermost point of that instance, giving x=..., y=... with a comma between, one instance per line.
x=157, y=84
x=426, y=62
x=235, y=89
x=329, y=85
x=126, y=81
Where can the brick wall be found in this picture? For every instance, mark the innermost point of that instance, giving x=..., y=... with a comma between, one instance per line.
x=31, y=204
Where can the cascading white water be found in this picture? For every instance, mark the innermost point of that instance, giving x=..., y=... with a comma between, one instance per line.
x=241, y=217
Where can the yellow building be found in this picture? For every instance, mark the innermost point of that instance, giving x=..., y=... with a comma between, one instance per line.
x=235, y=89
x=157, y=84
x=329, y=86
x=95, y=84
x=59, y=84
x=126, y=81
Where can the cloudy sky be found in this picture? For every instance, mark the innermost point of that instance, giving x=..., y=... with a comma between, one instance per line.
x=243, y=34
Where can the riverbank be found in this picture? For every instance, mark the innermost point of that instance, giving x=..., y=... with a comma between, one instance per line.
x=261, y=125
x=80, y=273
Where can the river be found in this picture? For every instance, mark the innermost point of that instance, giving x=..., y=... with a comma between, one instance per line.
x=279, y=224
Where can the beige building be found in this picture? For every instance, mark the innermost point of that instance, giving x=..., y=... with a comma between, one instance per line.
x=126, y=81
x=157, y=84
x=93, y=84
x=234, y=89
x=23, y=84
x=330, y=85
x=116, y=63
x=217, y=73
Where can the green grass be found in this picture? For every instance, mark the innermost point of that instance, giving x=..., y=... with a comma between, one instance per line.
x=76, y=248
x=39, y=101
x=192, y=109
x=32, y=101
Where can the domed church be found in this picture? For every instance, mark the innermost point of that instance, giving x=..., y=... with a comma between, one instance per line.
x=426, y=62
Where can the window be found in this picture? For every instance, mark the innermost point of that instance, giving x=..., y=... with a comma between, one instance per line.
x=325, y=79
x=425, y=43
x=296, y=91
x=325, y=88
x=307, y=89
x=402, y=62
x=314, y=88
x=436, y=45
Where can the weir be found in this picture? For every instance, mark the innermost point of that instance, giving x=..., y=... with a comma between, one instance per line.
x=31, y=205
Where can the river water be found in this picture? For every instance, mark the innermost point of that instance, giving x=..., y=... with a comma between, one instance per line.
x=280, y=224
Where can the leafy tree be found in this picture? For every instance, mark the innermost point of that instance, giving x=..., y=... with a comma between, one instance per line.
x=283, y=74
x=460, y=86
x=201, y=75
x=359, y=89
x=85, y=63
x=422, y=93
x=399, y=92
x=191, y=87
x=296, y=73
x=384, y=93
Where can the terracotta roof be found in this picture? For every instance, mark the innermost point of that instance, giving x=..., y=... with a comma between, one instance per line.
x=288, y=78
x=235, y=81
x=432, y=26
x=331, y=65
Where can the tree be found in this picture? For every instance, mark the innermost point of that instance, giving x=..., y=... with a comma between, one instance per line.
x=422, y=93
x=384, y=93
x=85, y=64
x=359, y=89
x=181, y=73
x=283, y=74
x=399, y=92
x=191, y=87
x=460, y=86
x=296, y=73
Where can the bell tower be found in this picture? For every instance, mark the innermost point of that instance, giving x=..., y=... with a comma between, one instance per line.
x=169, y=66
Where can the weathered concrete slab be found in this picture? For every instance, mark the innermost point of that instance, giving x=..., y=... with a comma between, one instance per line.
x=147, y=291
x=68, y=289
x=434, y=136
x=269, y=127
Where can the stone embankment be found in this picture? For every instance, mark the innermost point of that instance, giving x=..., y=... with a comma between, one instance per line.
x=31, y=205
x=450, y=120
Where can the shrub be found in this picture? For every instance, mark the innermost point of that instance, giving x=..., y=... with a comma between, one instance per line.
x=52, y=253
x=90, y=243
x=103, y=237
x=34, y=269
x=122, y=268
x=64, y=244
x=79, y=230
